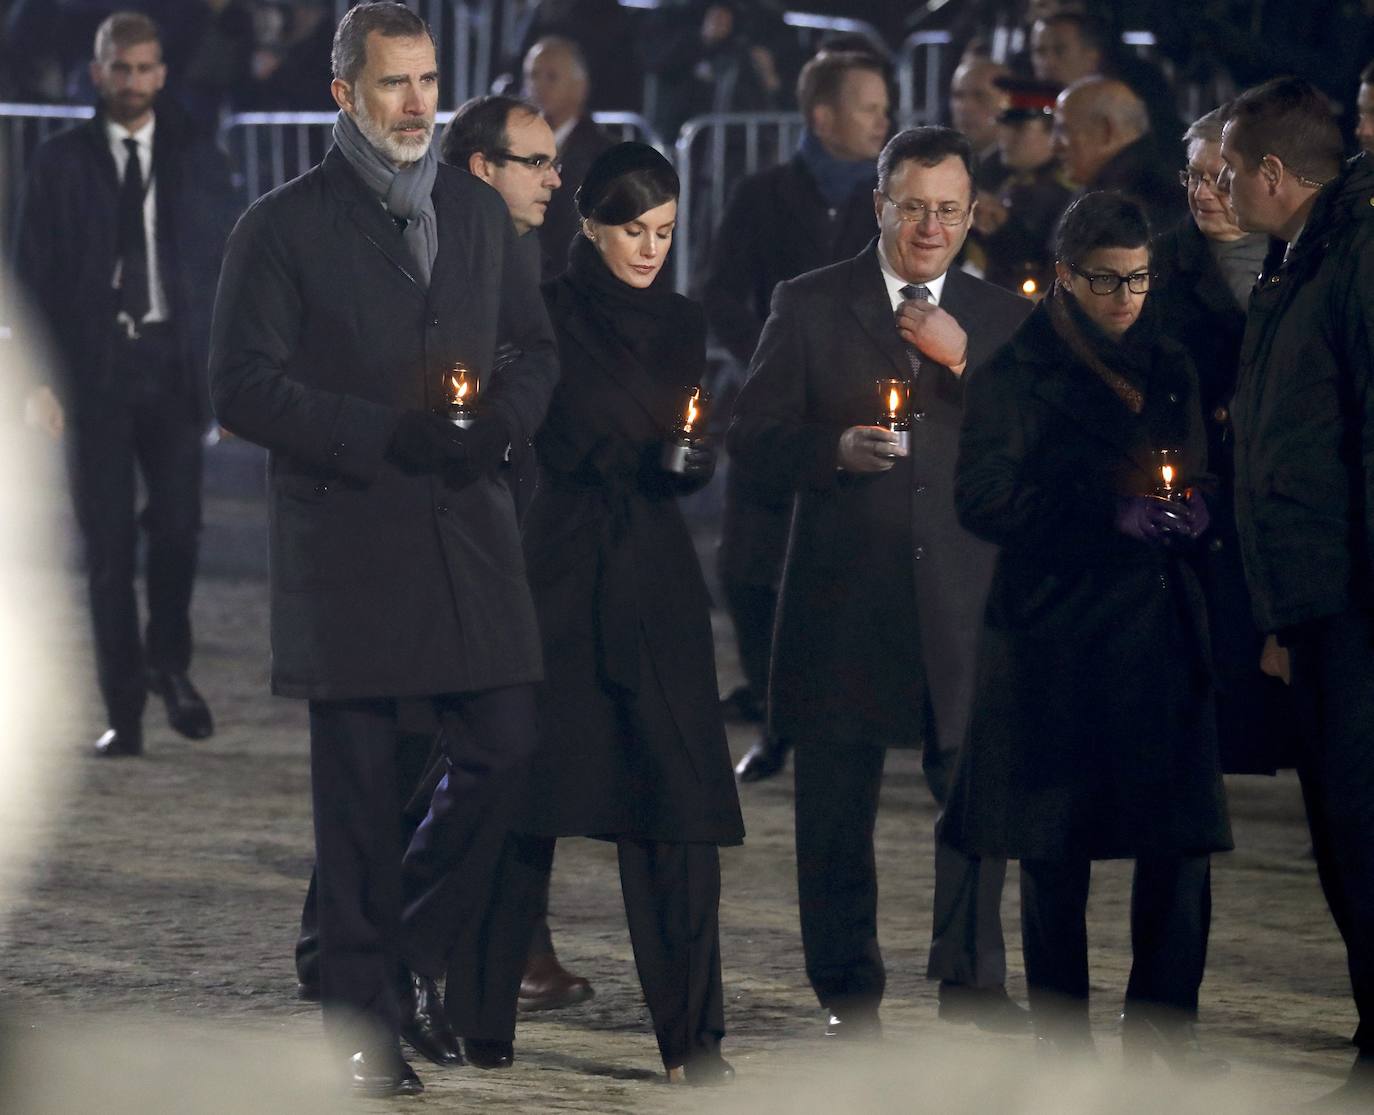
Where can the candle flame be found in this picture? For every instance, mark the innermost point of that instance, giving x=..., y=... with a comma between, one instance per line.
x=462, y=388
x=692, y=411
x=1029, y=287
x=1166, y=472
x=894, y=402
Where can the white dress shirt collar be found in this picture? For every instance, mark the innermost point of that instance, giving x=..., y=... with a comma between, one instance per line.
x=895, y=282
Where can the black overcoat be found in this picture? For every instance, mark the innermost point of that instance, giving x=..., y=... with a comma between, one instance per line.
x=65, y=246
x=877, y=565
x=1303, y=414
x=1092, y=732
x=631, y=738
x=384, y=584
x=1198, y=310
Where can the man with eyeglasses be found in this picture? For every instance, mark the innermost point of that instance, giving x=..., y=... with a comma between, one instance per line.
x=1207, y=266
x=883, y=591
x=1303, y=414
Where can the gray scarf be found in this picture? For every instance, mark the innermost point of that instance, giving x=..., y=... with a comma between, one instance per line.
x=406, y=192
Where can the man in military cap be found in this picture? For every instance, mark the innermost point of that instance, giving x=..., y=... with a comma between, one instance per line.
x=1016, y=223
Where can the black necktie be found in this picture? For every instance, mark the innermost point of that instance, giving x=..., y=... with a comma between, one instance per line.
x=133, y=245
x=920, y=293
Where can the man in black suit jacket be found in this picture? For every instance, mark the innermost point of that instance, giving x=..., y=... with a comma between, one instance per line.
x=814, y=209
x=883, y=592
x=119, y=237
x=347, y=299
x=556, y=81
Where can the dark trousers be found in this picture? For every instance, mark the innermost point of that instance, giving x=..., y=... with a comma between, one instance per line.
x=752, y=608
x=1171, y=914
x=377, y=911
x=1333, y=689
x=837, y=786
x=672, y=903
x=541, y=849
x=141, y=424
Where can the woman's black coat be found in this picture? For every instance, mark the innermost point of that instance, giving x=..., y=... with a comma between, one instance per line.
x=631, y=739
x=1092, y=733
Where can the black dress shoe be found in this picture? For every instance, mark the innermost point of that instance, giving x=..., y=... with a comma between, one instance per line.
x=186, y=709
x=766, y=758
x=547, y=985
x=487, y=1054
x=1170, y=1036
x=703, y=1072
x=308, y=991
x=381, y=1077
x=988, y=1008
x=119, y=743
x=858, y=1024
x=742, y=706
x=426, y=1027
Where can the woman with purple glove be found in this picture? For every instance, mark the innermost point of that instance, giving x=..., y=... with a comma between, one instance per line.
x=1093, y=735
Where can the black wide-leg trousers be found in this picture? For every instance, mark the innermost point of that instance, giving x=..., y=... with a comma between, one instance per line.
x=1171, y=915
x=378, y=910
x=671, y=892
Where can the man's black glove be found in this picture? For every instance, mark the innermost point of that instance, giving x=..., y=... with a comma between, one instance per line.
x=700, y=463
x=425, y=442
x=485, y=443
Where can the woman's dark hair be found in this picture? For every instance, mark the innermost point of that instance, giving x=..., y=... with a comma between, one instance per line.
x=625, y=181
x=1104, y=219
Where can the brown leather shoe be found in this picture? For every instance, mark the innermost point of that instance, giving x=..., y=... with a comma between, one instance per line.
x=547, y=985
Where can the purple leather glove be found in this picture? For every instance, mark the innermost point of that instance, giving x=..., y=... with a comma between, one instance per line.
x=1199, y=517
x=1152, y=519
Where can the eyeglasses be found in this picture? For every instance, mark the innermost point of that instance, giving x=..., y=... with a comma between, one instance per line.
x=1106, y=282
x=534, y=162
x=1190, y=180
x=915, y=212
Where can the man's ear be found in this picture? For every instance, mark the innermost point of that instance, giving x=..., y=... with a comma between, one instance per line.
x=1271, y=169
x=343, y=94
x=479, y=167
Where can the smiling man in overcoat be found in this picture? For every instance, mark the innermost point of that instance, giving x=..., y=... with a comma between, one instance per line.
x=883, y=591
x=347, y=297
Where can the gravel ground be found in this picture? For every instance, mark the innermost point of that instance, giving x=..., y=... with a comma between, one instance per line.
x=148, y=965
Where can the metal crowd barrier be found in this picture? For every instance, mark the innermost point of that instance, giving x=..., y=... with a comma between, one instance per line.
x=22, y=128
x=269, y=148
x=737, y=143
x=922, y=57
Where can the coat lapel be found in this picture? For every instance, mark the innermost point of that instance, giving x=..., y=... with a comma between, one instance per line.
x=869, y=303
x=454, y=244
x=802, y=201
x=370, y=217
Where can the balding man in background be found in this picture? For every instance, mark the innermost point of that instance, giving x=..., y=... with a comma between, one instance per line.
x=1068, y=46
x=1102, y=136
x=556, y=82
x=1364, y=109
x=974, y=102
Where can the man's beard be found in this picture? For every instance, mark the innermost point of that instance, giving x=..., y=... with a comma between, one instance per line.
x=123, y=107
x=400, y=150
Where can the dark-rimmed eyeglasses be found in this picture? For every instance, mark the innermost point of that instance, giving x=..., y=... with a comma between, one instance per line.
x=534, y=162
x=1108, y=282
x=1190, y=180
x=915, y=212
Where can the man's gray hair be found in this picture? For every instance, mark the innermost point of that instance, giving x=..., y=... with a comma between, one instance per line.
x=121, y=30
x=1208, y=128
x=392, y=20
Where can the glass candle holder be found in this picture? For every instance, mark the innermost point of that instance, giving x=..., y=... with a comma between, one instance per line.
x=894, y=397
x=687, y=432
x=462, y=388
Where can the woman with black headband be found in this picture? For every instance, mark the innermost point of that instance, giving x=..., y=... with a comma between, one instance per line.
x=1093, y=734
x=632, y=747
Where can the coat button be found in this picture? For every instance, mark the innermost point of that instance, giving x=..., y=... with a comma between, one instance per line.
x=1220, y=415
x=920, y=416
x=1273, y=279
x=434, y=321
x=919, y=489
x=336, y=448
x=442, y=509
x=918, y=553
x=321, y=488
x=1173, y=396
x=1215, y=545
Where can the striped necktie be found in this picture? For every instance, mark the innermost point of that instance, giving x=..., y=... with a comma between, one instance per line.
x=920, y=293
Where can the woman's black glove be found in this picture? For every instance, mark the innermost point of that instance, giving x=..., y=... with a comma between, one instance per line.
x=424, y=442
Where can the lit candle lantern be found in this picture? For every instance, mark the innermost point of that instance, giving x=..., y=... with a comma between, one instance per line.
x=462, y=387
x=687, y=432
x=1169, y=478
x=1030, y=288
x=895, y=399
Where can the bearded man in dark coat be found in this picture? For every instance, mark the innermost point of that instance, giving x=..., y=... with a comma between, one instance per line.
x=347, y=298
x=882, y=591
